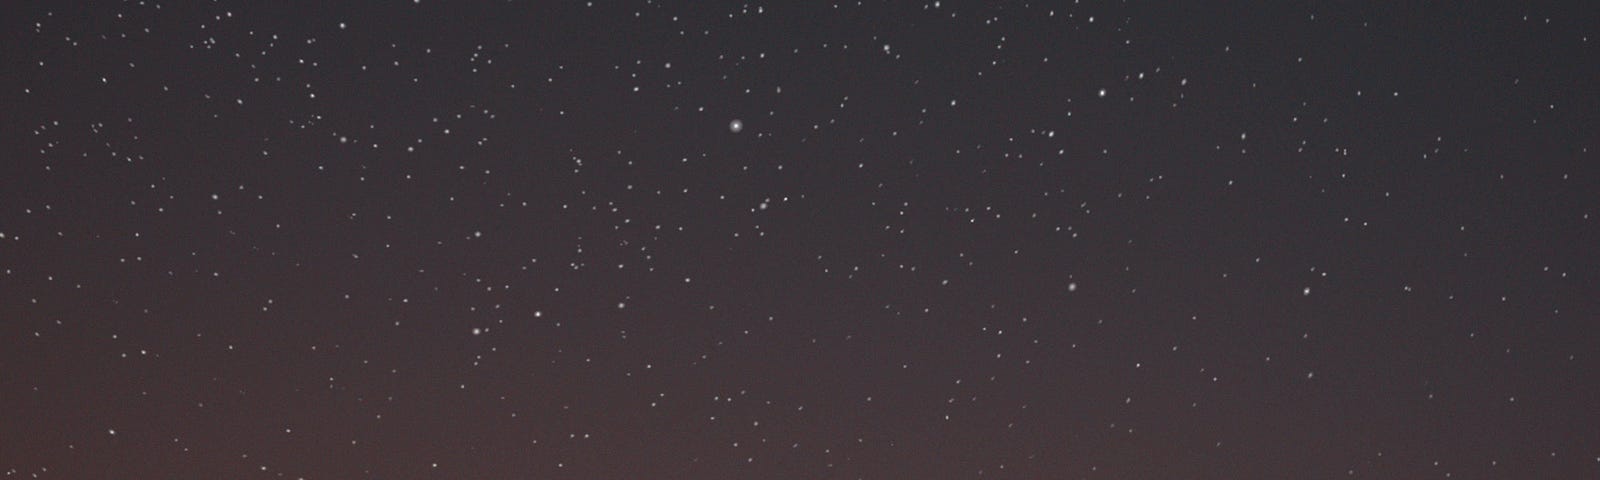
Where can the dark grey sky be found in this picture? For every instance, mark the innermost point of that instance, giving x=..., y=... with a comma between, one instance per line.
x=519, y=240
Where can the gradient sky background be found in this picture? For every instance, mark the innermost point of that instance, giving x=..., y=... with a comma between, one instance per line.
x=519, y=240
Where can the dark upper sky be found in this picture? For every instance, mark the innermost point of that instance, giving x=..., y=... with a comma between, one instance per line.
x=526, y=240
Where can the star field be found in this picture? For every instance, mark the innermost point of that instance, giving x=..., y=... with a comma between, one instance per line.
x=856, y=240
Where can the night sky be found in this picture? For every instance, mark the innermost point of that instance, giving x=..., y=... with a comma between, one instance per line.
x=799, y=240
